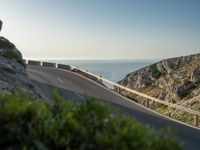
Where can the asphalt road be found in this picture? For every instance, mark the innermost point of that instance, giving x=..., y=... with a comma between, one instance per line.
x=73, y=86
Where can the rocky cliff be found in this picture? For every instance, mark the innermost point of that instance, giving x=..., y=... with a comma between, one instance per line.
x=13, y=73
x=175, y=80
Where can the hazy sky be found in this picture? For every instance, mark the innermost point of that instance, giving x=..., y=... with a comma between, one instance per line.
x=102, y=29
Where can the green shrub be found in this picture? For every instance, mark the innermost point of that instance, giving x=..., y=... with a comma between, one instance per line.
x=28, y=123
x=12, y=54
x=6, y=44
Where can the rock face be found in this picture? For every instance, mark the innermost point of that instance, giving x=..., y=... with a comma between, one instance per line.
x=174, y=80
x=1, y=23
x=12, y=70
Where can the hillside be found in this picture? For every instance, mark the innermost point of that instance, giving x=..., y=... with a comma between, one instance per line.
x=176, y=80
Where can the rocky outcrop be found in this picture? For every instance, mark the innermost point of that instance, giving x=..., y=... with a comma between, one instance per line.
x=13, y=73
x=8, y=50
x=174, y=80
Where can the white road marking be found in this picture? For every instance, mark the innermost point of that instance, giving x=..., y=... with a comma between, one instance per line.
x=60, y=80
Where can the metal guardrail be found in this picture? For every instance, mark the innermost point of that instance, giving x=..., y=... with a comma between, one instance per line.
x=147, y=97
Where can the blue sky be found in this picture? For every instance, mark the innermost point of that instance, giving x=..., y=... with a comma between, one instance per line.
x=102, y=29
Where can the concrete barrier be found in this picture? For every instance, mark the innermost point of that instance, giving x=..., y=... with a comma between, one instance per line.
x=24, y=61
x=49, y=64
x=87, y=75
x=75, y=70
x=79, y=72
x=62, y=66
x=36, y=63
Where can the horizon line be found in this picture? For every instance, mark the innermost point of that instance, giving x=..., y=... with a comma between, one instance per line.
x=62, y=58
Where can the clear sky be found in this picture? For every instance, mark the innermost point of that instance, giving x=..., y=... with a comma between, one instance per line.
x=102, y=29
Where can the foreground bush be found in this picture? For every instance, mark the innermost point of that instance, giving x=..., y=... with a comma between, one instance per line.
x=27, y=123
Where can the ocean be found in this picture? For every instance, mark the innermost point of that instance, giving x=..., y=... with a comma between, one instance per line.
x=114, y=70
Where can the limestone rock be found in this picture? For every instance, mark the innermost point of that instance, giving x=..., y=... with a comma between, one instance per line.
x=173, y=80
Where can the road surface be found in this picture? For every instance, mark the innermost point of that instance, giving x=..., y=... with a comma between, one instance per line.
x=73, y=86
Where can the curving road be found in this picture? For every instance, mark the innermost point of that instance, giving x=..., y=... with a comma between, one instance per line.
x=73, y=86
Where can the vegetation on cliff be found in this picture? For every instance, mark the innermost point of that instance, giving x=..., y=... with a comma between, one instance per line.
x=175, y=80
x=8, y=49
x=29, y=123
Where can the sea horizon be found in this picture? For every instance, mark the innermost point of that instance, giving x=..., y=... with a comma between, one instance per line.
x=112, y=69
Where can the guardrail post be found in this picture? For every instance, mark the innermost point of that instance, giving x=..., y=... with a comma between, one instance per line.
x=147, y=103
x=154, y=104
x=118, y=90
x=87, y=75
x=100, y=80
x=196, y=120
